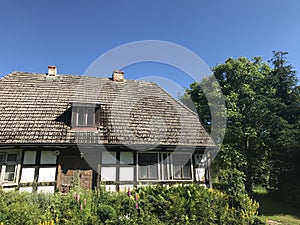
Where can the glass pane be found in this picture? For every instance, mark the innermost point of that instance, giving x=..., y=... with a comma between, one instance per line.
x=90, y=117
x=148, y=165
x=12, y=157
x=165, y=171
x=187, y=171
x=165, y=167
x=179, y=159
x=10, y=173
x=9, y=176
x=153, y=171
x=126, y=157
x=143, y=172
x=10, y=168
x=177, y=172
x=1, y=157
x=149, y=158
x=81, y=117
x=109, y=158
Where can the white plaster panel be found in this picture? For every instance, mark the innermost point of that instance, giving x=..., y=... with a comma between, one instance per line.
x=126, y=157
x=110, y=188
x=25, y=189
x=47, y=174
x=108, y=173
x=8, y=189
x=29, y=157
x=27, y=175
x=126, y=173
x=125, y=188
x=109, y=158
x=48, y=157
x=45, y=189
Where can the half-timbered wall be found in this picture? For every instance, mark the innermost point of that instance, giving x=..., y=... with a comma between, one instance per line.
x=38, y=170
x=48, y=169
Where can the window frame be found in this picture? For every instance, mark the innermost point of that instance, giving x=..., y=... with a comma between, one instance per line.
x=166, y=165
x=86, y=117
x=112, y=159
x=148, y=165
x=5, y=163
x=182, y=168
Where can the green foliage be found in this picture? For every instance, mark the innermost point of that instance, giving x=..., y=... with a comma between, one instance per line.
x=262, y=139
x=19, y=209
x=178, y=204
x=192, y=204
x=106, y=213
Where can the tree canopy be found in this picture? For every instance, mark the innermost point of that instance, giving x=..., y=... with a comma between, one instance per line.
x=261, y=143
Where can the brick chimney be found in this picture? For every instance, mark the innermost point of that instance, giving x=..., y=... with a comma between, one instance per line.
x=118, y=76
x=52, y=71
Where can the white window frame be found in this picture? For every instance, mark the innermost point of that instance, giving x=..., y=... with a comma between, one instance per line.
x=160, y=168
x=5, y=163
x=182, y=169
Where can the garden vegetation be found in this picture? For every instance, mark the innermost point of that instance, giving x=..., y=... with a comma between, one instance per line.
x=178, y=204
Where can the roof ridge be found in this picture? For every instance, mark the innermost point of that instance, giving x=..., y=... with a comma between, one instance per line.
x=69, y=75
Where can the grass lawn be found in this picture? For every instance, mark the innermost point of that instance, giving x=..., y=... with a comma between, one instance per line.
x=275, y=210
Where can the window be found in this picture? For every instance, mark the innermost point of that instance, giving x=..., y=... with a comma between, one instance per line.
x=126, y=158
x=181, y=167
x=108, y=167
x=85, y=117
x=164, y=166
x=148, y=166
x=8, y=167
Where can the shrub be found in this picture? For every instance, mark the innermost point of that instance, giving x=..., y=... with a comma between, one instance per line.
x=192, y=204
x=180, y=204
x=106, y=213
x=19, y=209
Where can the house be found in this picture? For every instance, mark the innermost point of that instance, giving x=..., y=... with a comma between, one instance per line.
x=124, y=133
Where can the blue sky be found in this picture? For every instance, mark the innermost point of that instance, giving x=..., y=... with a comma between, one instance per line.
x=72, y=34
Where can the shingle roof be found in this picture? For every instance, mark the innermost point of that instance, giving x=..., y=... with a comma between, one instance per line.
x=35, y=108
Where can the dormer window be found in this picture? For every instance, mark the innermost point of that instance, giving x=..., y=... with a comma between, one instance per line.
x=84, y=115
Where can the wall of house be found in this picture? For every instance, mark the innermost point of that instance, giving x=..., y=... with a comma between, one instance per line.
x=48, y=169
x=28, y=169
x=121, y=169
x=72, y=169
x=38, y=170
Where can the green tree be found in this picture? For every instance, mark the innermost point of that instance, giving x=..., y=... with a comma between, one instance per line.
x=262, y=109
x=284, y=138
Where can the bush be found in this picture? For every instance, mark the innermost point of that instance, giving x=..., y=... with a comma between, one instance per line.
x=19, y=209
x=192, y=204
x=106, y=213
x=180, y=204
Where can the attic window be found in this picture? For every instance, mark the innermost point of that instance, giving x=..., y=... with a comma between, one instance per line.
x=84, y=116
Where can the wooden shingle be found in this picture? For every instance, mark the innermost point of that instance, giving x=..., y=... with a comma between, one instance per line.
x=35, y=108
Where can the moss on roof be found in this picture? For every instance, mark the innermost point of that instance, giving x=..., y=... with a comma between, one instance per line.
x=35, y=108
